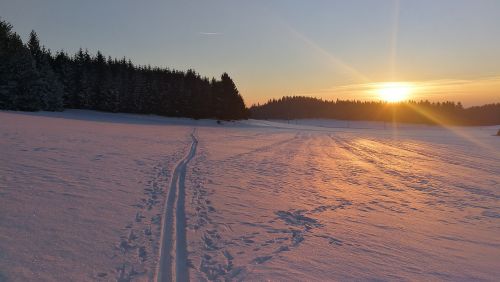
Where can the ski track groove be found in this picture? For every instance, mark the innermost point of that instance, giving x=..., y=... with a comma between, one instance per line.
x=173, y=263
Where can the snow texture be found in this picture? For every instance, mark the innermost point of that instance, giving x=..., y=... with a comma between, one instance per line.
x=88, y=196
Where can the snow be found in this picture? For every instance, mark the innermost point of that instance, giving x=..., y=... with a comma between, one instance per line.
x=173, y=257
x=85, y=196
x=78, y=194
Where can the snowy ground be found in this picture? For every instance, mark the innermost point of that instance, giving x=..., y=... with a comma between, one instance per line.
x=82, y=197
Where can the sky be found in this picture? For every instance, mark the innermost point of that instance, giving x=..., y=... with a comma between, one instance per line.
x=331, y=49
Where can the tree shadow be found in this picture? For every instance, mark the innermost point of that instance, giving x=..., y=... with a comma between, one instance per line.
x=121, y=118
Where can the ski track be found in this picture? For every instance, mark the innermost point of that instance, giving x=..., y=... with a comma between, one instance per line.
x=173, y=263
x=254, y=204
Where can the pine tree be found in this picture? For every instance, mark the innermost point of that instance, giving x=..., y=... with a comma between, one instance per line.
x=27, y=93
x=45, y=85
x=17, y=73
x=232, y=106
x=54, y=90
x=34, y=47
x=63, y=68
x=31, y=78
x=8, y=52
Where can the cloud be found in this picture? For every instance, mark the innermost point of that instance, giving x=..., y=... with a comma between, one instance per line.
x=210, y=33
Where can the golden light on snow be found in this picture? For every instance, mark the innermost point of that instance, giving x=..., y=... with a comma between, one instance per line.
x=394, y=91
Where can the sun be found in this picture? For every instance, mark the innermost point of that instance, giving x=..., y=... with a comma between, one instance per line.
x=394, y=91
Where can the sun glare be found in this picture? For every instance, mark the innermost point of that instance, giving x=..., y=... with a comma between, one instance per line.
x=393, y=91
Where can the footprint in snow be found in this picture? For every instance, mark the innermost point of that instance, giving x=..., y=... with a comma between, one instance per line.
x=260, y=260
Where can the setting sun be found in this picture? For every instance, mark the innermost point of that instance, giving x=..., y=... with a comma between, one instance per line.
x=249, y=140
x=393, y=91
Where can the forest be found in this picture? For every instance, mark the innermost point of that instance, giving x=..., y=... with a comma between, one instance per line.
x=33, y=79
x=447, y=113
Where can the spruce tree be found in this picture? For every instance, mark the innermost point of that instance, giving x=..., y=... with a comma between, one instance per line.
x=7, y=56
x=45, y=85
x=31, y=78
x=34, y=47
x=17, y=73
x=233, y=106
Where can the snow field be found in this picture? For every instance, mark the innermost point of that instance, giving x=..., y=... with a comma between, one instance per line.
x=89, y=196
x=82, y=199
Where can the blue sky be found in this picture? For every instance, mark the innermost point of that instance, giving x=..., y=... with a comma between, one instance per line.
x=289, y=47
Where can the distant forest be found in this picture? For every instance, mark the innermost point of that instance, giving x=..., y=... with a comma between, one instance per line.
x=298, y=107
x=33, y=79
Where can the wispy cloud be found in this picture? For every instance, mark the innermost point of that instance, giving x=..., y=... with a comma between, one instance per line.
x=210, y=33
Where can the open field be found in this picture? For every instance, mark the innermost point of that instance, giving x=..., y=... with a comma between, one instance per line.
x=95, y=196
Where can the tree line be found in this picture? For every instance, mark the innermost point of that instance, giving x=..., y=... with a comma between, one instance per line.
x=299, y=107
x=33, y=79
